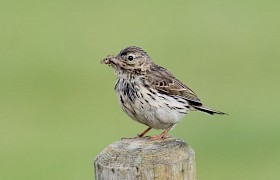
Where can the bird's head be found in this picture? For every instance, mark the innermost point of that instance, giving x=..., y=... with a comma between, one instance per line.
x=130, y=60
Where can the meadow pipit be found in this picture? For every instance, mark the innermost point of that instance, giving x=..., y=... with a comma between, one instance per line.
x=149, y=93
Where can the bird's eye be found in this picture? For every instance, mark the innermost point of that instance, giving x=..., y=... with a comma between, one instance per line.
x=130, y=58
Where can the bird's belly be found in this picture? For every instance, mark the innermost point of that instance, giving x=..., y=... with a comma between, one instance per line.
x=159, y=112
x=155, y=110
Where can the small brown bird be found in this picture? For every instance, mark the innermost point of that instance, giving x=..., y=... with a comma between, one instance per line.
x=149, y=93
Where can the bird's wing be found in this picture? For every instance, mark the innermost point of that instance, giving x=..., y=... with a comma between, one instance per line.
x=164, y=82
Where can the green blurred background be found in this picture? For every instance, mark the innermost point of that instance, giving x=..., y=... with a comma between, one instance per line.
x=58, y=109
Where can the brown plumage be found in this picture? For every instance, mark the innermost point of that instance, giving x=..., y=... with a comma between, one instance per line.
x=149, y=93
x=164, y=82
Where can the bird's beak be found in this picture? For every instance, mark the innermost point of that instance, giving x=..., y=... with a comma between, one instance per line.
x=109, y=60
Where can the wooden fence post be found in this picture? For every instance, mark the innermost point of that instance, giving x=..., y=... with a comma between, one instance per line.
x=142, y=159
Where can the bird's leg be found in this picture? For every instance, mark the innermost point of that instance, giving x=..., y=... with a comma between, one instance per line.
x=140, y=135
x=144, y=132
x=162, y=135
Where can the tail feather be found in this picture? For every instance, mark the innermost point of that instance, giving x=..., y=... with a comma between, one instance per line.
x=209, y=110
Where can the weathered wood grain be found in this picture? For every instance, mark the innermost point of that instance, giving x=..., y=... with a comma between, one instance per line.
x=140, y=158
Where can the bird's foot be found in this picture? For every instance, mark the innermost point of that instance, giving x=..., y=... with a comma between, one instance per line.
x=153, y=138
x=162, y=135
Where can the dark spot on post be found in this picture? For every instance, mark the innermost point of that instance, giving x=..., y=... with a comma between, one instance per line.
x=113, y=170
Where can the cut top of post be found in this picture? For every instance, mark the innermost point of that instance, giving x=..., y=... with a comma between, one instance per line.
x=141, y=158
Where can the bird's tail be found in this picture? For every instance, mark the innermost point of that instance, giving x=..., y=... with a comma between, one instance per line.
x=209, y=110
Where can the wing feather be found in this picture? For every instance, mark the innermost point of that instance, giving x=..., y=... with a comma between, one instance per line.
x=164, y=82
